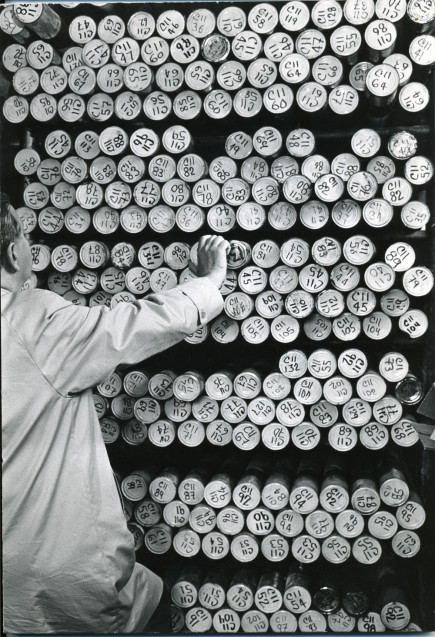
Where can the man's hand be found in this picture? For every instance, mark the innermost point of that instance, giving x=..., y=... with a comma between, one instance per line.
x=212, y=260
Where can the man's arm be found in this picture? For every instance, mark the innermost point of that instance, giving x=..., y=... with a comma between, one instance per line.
x=78, y=347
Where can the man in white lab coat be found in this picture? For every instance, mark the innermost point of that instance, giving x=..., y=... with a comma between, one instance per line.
x=68, y=557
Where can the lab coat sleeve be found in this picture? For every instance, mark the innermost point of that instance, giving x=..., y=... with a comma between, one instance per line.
x=79, y=347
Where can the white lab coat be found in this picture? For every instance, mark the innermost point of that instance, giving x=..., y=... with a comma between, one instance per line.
x=68, y=557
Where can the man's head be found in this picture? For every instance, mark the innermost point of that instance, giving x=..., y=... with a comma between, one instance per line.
x=16, y=257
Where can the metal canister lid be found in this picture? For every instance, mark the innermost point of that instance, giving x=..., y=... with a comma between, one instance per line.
x=238, y=305
x=138, y=76
x=261, y=410
x=225, y=619
x=221, y=218
x=255, y=329
x=198, y=619
x=185, y=48
x=305, y=549
x=344, y=165
x=293, y=364
x=422, y=50
x=219, y=433
x=382, y=525
x=187, y=543
x=327, y=71
x=59, y=282
x=41, y=257
x=342, y=437
x=82, y=29
x=393, y=366
x=341, y=621
x=311, y=43
x=317, y=327
x=326, y=14
x=246, y=46
x=234, y=409
x=395, y=615
x=86, y=145
x=15, y=109
x=326, y=251
x=39, y=54
x=283, y=621
x=362, y=186
x=346, y=213
x=337, y=390
x=275, y=436
x=336, y=549
x=305, y=436
x=352, y=363
x=379, y=276
x=157, y=105
x=371, y=622
x=406, y=543
x=191, y=433
x=404, y=434
x=112, y=280
x=313, y=278
x=395, y=302
x=322, y=363
x=163, y=279
x=307, y=390
x=356, y=412
x=283, y=279
x=282, y=215
x=411, y=515
x=378, y=213
x=299, y=304
x=84, y=281
x=263, y=18
x=219, y=385
x=418, y=170
x=252, y=279
x=282, y=168
x=161, y=433
x=397, y=191
x=358, y=249
x=349, y=523
x=311, y=97
x=393, y=12
x=155, y=51
x=27, y=161
x=380, y=36
x=415, y=215
x=371, y=387
x=366, y=143
x=110, y=430
x=329, y=187
x=140, y=26
x=82, y=80
x=285, y=329
x=151, y=255
x=265, y=191
x=294, y=16
x=266, y=253
x=238, y=145
x=295, y=252
x=267, y=141
x=414, y=97
x=403, y=66
x=169, y=77
x=290, y=412
x=143, y=142
x=402, y=145
x=346, y=327
x=414, y=323
x=374, y=436
x=314, y=214
x=345, y=41
x=225, y=330
x=199, y=75
x=323, y=414
x=367, y=549
x=377, y=326
x=343, y=99
x=278, y=45
x=201, y=23
x=64, y=258
x=418, y=281
x=319, y=524
x=290, y=524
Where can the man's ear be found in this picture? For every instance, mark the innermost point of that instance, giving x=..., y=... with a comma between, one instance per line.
x=12, y=256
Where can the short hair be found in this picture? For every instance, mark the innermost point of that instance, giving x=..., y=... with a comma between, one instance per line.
x=10, y=228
